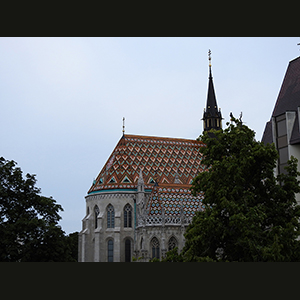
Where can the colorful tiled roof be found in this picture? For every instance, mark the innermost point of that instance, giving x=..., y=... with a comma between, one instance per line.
x=159, y=158
x=174, y=198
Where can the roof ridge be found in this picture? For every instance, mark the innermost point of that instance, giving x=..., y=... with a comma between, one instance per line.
x=294, y=59
x=159, y=138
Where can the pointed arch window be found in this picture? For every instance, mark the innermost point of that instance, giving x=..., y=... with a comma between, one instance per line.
x=96, y=213
x=155, y=248
x=110, y=216
x=110, y=251
x=127, y=215
x=127, y=250
x=172, y=243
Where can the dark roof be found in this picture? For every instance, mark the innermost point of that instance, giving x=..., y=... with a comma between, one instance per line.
x=211, y=103
x=267, y=136
x=288, y=100
x=211, y=111
x=289, y=95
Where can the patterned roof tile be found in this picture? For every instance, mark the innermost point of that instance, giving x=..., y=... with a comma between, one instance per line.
x=160, y=159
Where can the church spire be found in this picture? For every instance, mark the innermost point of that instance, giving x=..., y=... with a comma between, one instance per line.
x=212, y=117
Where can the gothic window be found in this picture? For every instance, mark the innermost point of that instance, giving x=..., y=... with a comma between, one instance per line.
x=110, y=251
x=127, y=250
x=96, y=213
x=128, y=215
x=155, y=247
x=172, y=243
x=110, y=216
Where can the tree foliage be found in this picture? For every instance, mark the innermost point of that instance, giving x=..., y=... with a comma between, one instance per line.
x=29, y=228
x=250, y=215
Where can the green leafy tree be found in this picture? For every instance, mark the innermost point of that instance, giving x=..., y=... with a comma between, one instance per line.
x=72, y=242
x=250, y=215
x=29, y=228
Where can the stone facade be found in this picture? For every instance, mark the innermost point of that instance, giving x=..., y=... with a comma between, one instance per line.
x=96, y=230
x=135, y=235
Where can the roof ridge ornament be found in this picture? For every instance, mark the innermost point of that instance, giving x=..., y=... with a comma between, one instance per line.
x=209, y=57
x=123, y=126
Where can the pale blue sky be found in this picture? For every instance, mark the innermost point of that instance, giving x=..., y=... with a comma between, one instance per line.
x=63, y=99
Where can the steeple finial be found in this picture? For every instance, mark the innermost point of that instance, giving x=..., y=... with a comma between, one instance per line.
x=123, y=126
x=209, y=57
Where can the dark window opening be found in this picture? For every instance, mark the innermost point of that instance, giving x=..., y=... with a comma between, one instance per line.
x=127, y=250
x=110, y=251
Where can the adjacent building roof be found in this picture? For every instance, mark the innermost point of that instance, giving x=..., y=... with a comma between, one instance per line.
x=289, y=94
x=288, y=100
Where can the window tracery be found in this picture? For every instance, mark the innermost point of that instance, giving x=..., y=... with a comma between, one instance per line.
x=110, y=216
x=155, y=248
x=172, y=243
x=128, y=215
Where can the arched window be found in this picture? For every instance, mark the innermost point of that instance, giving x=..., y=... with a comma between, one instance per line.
x=172, y=243
x=127, y=250
x=155, y=247
x=127, y=215
x=110, y=251
x=96, y=213
x=110, y=216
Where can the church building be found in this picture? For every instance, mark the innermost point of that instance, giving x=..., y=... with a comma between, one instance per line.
x=140, y=204
x=283, y=129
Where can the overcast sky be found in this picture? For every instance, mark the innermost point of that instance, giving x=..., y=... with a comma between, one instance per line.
x=63, y=99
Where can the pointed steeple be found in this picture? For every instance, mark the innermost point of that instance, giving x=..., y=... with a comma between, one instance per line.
x=212, y=117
